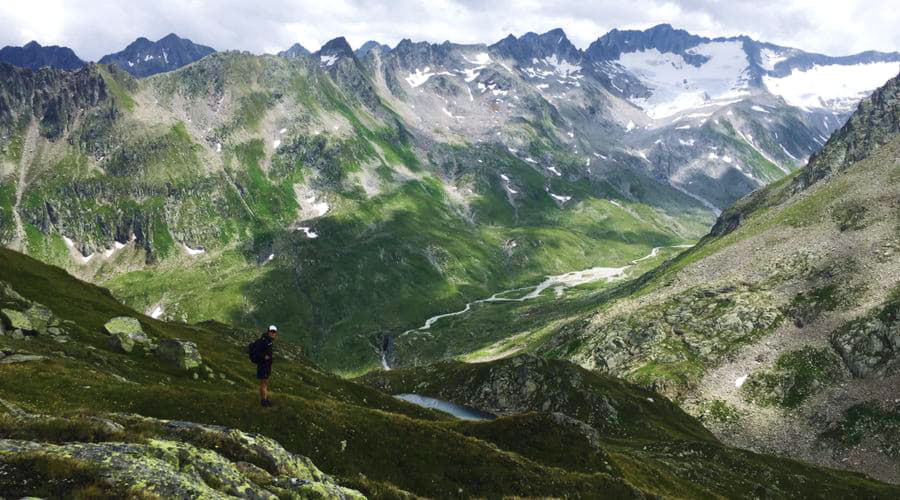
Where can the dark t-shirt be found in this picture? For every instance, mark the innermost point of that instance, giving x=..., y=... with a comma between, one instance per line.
x=267, y=348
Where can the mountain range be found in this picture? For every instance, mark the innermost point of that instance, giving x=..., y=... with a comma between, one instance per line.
x=398, y=207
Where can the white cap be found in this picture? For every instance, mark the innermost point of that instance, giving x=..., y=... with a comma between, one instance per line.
x=273, y=328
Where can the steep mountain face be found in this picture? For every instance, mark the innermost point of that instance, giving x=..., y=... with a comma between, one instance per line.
x=189, y=425
x=295, y=50
x=714, y=118
x=34, y=56
x=143, y=58
x=780, y=328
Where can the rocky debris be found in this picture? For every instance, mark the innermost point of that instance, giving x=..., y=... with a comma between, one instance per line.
x=126, y=333
x=21, y=318
x=699, y=327
x=179, y=460
x=170, y=469
x=180, y=353
x=870, y=346
x=796, y=376
x=34, y=320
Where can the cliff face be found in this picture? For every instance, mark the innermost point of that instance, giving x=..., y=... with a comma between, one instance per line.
x=53, y=97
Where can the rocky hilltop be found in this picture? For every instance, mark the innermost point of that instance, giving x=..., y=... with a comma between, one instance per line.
x=34, y=56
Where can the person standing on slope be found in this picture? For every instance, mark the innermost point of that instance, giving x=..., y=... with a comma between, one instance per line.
x=261, y=353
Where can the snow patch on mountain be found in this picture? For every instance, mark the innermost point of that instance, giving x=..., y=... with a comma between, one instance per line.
x=328, y=60
x=834, y=87
x=677, y=86
x=768, y=58
x=420, y=76
x=560, y=198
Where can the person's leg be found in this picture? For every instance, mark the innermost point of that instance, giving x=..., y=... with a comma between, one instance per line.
x=263, y=389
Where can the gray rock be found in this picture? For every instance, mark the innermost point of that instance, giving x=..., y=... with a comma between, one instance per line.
x=126, y=334
x=180, y=353
x=21, y=358
x=870, y=346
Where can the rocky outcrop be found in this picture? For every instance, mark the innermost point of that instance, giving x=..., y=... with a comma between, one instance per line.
x=182, y=354
x=178, y=460
x=870, y=346
x=55, y=98
x=527, y=383
x=20, y=318
x=9, y=356
x=689, y=332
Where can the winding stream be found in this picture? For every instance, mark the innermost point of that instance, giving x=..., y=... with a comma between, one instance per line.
x=567, y=280
x=559, y=281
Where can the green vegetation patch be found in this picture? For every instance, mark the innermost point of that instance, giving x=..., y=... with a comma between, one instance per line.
x=849, y=215
x=718, y=411
x=872, y=421
x=795, y=377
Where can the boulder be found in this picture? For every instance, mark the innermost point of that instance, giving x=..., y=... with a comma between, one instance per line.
x=180, y=353
x=40, y=317
x=123, y=324
x=126, y=334
x=870, y=346
x=16, y=320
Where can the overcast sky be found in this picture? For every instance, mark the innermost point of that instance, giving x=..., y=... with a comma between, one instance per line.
x=97, y=27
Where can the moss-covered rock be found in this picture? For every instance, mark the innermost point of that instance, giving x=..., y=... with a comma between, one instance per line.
x=16, y=320
x=870, y=346
x=176, y=460
x=182, y=354
x=125, y=334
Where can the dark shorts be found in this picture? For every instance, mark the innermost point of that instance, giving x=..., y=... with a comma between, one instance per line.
x=263, y=370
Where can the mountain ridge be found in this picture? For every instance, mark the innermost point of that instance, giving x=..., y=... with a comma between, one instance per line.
x=143, y=58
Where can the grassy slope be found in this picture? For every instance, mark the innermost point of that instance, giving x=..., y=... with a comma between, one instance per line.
x=387, y=440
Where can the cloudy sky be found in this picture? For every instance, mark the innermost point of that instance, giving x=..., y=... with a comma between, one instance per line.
x=97, y=27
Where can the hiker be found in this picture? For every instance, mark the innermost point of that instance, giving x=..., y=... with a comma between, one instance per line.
x=261, y=353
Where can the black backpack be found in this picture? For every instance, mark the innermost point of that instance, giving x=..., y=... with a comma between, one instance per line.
x=254, y=351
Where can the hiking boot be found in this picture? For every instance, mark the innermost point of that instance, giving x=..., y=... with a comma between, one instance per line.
x=266, y=402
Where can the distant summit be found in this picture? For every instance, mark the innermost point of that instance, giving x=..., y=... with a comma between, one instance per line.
x=531, y=46
x=333, y=50
x=35, y=56
x=296, y=50
x=144, y=58
x=370, y=46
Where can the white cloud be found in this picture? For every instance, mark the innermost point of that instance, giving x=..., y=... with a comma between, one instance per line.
x=97, y=27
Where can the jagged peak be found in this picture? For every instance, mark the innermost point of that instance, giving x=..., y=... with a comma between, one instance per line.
x=337, y=45
x=663, y=37
x=294, y=50
x=32, y=45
